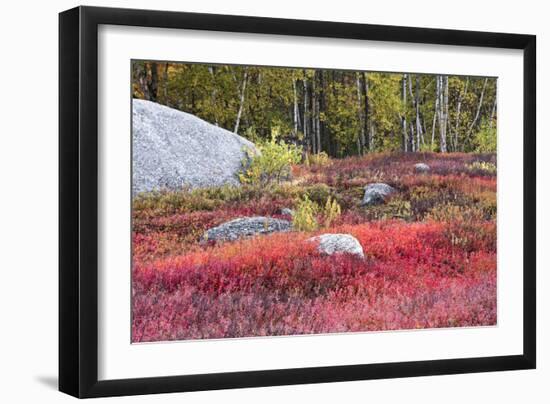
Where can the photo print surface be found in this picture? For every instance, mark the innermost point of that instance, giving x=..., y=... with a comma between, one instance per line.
x=270, y=201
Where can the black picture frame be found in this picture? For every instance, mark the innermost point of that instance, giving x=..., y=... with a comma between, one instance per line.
x=78, y=201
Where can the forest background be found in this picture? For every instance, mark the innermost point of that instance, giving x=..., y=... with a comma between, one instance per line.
x=340, y=113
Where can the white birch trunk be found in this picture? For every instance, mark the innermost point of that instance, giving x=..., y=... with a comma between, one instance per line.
x=446, y=114
x=458, y=108
x=419, y=134
x=367, y=140
x=241, y=103
x=443, y=111
x=476, y=117
x=436, y=110
x=494, y=110
x=213, y=94
x=403, y=117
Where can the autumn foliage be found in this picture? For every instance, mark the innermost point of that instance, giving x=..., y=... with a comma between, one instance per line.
x=430, y=254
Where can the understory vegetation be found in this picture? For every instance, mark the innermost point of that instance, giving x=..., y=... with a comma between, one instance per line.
x=429, y=250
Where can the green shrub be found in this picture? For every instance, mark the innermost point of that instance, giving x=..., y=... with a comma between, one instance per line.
x=185, y=200
x=286, y=190
x=487, y=201
x=319, y=193
x=448, y=212
x=486, y=138
x=304, y=216
x=464, y=226
x=170, y=202
x=271, y=165
x=319, y=159
x=331, y=212
x=422, y=192
x=395, y=208
x=423, y=198
x=482, y=166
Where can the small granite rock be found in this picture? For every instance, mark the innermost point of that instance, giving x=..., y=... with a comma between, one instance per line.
x=338, y=244
x=246, y=227
x=421, y=168
x=376, y=194
x=287, y=211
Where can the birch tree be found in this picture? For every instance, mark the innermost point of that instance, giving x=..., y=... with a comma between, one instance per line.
x=241, y=101
x=446, y=120
x=306, y=120
x=296, y=115
x=461, y=96
x=436, y=109
x=478, y=110
x=443, y=111
x=315, y=117
x=419, y=132
x=213, y=93
x=494, y=109
x=363, y=141
x=403, y=115
x=165, y=83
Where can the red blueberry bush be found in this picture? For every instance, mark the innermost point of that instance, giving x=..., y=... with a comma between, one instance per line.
x=430, y=254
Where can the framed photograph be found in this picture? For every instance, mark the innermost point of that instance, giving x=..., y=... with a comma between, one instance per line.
x=252, y=202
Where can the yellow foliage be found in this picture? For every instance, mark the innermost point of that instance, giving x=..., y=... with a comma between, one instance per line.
x=319, y=159
x=271, y=165
x=304, y=216
x=331, y=212
x=487, y=167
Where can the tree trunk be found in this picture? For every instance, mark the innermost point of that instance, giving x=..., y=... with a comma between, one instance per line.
x=241, y=101
x=412, y=143
x=322, y=129
x=372, y=135
x=403, y=116
x=148, y=80
x=471, y=128
x=366, y=141
x=419, y=135
x=424, y=130
x=436, y=110
x=361, y=115
x=295, y=109
x=314, y=112
x=361, y=132
x=446, y=120
x=152, y=84
x=494, y=110
x=214, y=92
x=319, y=139
x=443, y=112
x=165, y=83
x=461, y=96
x=306, y=115
x=142, y=75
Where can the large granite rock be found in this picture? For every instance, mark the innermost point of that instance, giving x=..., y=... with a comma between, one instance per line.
x=246, y=227
x=174, y=149
x=338, y=244
x=376, y=194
